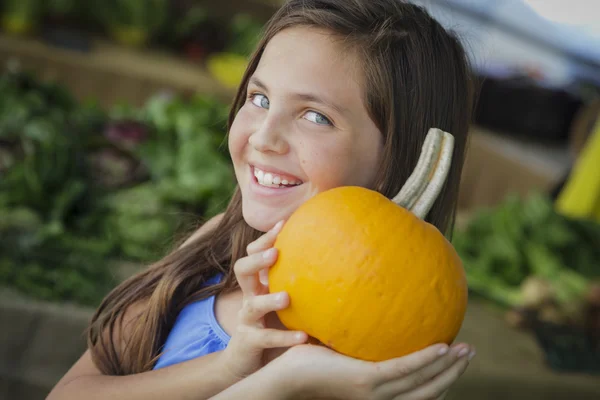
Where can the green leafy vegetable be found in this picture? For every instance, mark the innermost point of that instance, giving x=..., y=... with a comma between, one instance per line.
x=523, y=237
x=81, y=187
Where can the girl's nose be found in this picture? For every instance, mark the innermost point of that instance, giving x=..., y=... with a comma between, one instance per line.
x=268, y=139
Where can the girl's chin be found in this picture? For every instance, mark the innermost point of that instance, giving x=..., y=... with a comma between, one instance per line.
x=262, y=218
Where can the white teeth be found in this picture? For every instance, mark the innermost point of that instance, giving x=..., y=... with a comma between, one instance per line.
x=272, y=180
x=268, y=179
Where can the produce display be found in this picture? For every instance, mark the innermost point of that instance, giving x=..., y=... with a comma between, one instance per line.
x=544, y=268
x=180, y=26
x=133, y=22
x=368, y=276
x=80, y=186
x=20, y=16
x=520, y=238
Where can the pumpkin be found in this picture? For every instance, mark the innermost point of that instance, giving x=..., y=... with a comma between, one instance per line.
x=366, y=275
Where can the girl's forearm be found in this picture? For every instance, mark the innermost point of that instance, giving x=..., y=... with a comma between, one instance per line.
x=265, y=384
x=197, y=379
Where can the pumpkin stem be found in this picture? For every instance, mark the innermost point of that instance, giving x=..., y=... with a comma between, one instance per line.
x=416, y=182
x=425, y=183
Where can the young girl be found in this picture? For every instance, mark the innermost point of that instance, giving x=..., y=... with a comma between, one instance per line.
x=339, y=92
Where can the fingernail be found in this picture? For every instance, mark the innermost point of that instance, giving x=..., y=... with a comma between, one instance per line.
x=472, y=354
x=263, y=276
x=277, y=227
x=443, y=350
x=269, y=253
x=463, y=352
x=279, y=298
x=299, y=336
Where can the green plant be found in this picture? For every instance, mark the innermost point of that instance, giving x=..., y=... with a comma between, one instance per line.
x=24, y=8
x=245, y=33
x=188, y=155
x=60, y=7
x=20, y=16
x=523, y=237
x=143, y=17
x=45, y=261
x=193, y=18
x=81, y=187
x=49, y=212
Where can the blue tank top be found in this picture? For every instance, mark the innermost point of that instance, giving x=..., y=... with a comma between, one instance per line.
x=195, y=333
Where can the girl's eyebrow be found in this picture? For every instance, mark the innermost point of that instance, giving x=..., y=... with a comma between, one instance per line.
x=257, y=82
x=304, y=96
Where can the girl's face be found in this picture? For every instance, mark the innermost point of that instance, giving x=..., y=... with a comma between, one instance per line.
x=303, y=129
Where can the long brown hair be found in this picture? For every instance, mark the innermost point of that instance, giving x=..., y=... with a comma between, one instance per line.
x=416, y=76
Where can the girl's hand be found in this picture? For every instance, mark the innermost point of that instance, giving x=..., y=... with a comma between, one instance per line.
x=244, y=353
x=317, y=372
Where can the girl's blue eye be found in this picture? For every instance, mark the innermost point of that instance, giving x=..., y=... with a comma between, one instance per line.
x=260, y=100
x=317, y=118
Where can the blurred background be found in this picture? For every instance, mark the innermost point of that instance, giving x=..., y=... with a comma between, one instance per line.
x=112, y=120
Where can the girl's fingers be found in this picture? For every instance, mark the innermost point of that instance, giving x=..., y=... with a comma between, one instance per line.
x=419, y=377
x=256, y=307
x=435, y=388
x=261, y=255
x=246, y=270
x=259, y=338
x=432, y=370
x=397, y=368
x=265, y=241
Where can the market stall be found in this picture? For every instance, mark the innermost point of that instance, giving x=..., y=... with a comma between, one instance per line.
x=111, y=137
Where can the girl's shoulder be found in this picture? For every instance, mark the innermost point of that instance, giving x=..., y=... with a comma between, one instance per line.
x=195, y=333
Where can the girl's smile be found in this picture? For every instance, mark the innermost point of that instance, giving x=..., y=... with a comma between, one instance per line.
x=272, y=177
x=265, y=182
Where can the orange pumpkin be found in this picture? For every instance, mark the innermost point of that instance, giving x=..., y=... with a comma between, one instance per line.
x=367, y=276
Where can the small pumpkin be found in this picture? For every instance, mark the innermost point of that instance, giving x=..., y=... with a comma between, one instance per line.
x=366, y=275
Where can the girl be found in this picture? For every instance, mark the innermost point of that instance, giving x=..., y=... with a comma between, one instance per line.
x=339, y=92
